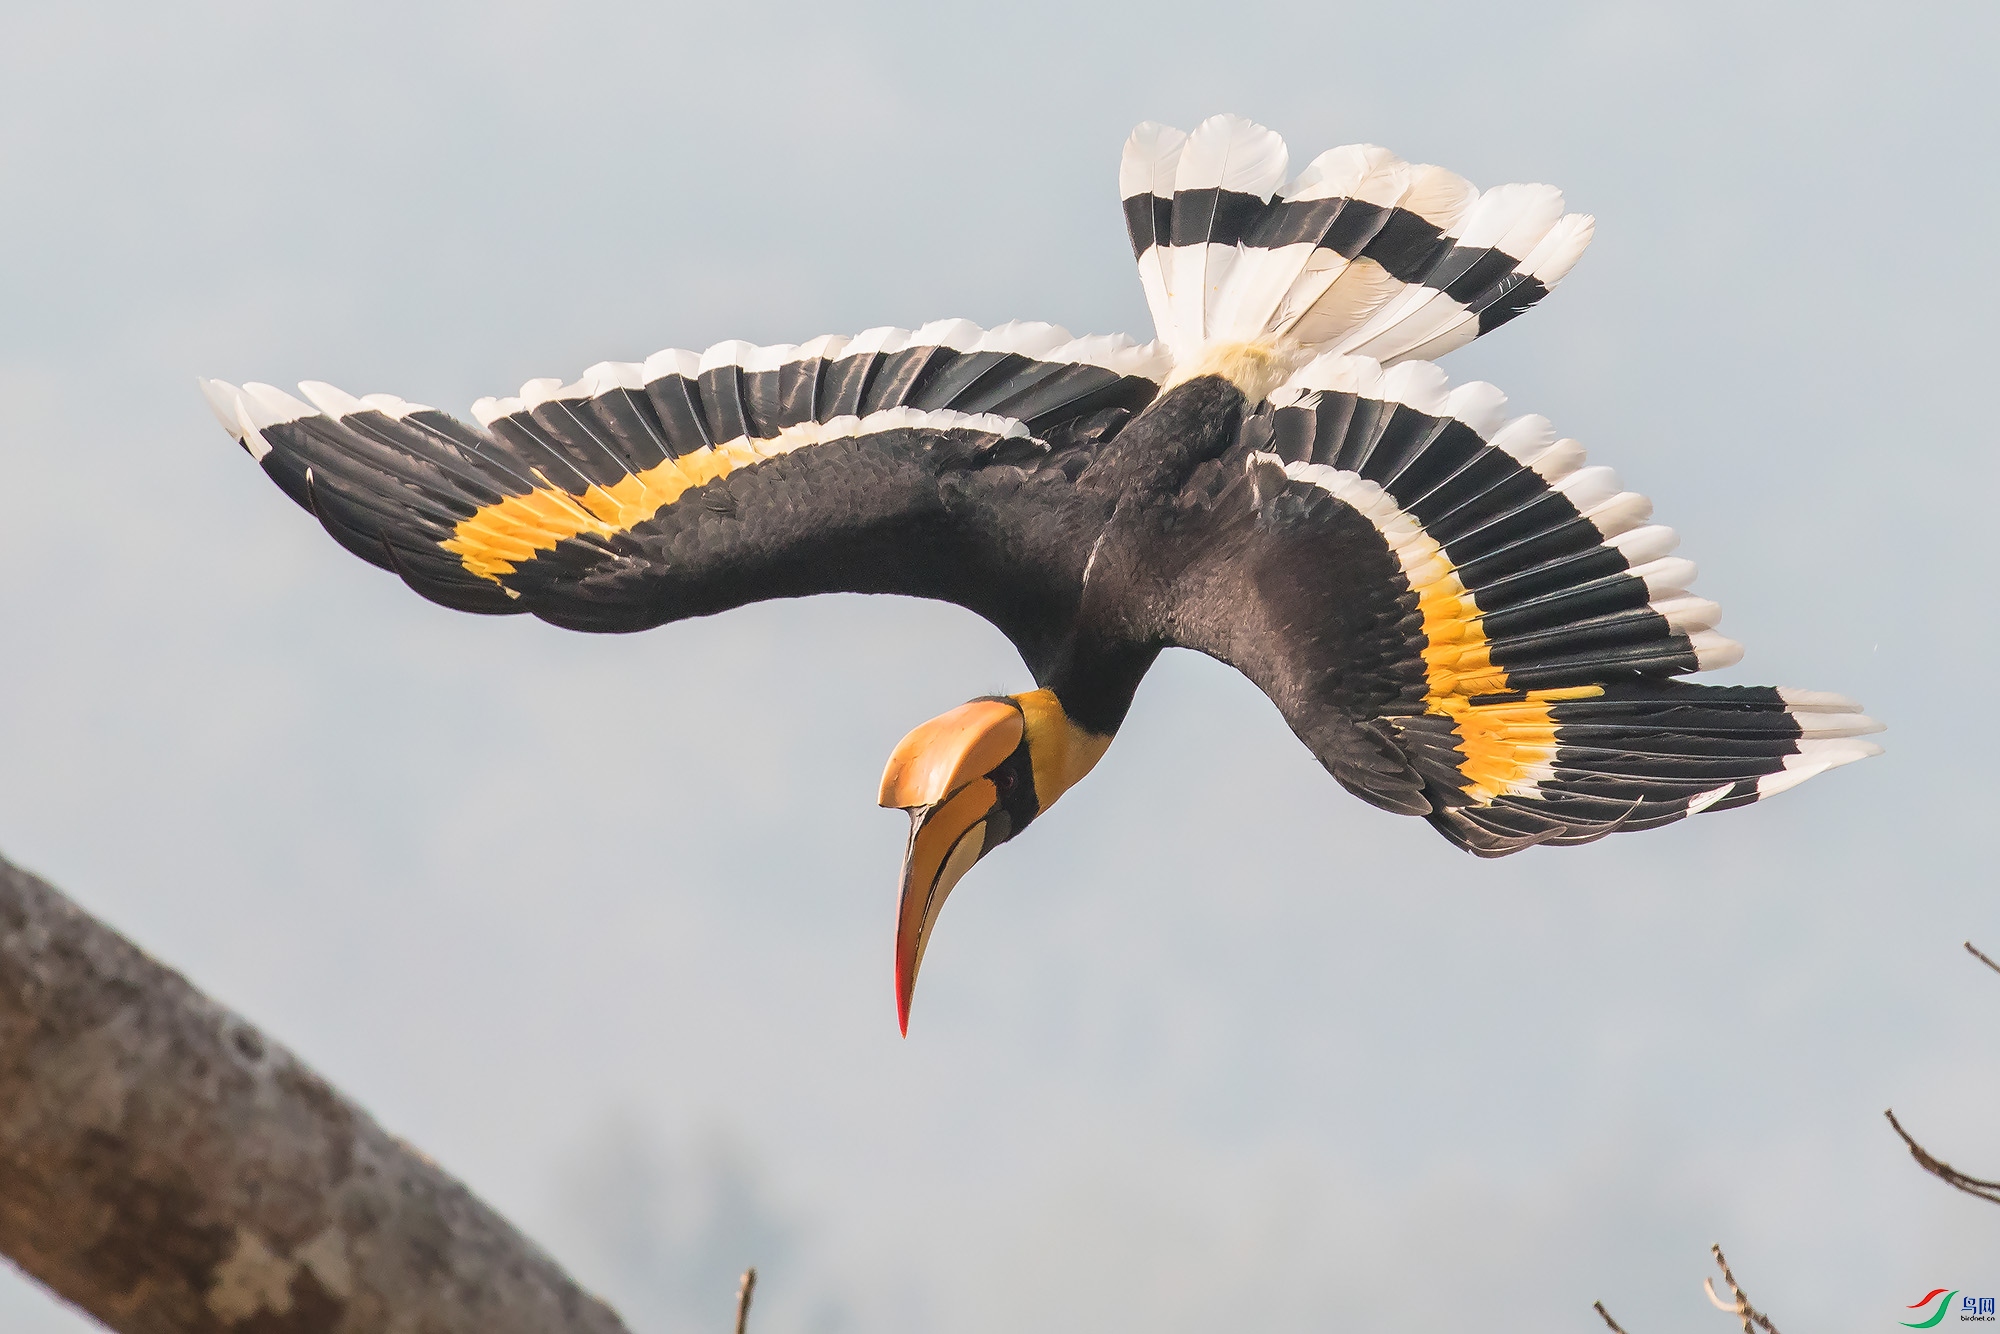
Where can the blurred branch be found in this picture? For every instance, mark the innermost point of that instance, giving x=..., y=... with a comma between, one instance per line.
x=1937, y=1167
x=1753, y=1319
x=165, y=1166
x=744, y=1291
x=1943, y=1171
x=1739, y=1305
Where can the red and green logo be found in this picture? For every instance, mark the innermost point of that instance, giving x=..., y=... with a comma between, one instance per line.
x=1935, y=1316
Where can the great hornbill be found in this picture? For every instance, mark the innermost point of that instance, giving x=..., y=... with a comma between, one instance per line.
x=1460, y=618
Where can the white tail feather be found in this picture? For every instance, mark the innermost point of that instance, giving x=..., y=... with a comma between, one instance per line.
x=1217, y=287
x=1147, y=169
x=1237, y=156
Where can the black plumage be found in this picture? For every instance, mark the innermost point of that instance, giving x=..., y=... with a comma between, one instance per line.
x=1457, y=616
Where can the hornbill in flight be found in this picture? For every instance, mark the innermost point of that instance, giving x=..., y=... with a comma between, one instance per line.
x=1461, y=618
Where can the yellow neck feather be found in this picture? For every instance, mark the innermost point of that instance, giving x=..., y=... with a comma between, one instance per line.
x=1060, y=751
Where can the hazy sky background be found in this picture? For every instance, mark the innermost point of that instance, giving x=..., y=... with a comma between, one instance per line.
x=605, y=924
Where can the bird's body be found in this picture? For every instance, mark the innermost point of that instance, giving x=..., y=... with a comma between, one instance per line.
x=1460, y=618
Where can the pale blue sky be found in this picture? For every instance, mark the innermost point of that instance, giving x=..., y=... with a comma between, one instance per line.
x=605, y=924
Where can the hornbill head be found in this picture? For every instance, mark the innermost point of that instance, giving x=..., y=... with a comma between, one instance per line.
x=971, y=779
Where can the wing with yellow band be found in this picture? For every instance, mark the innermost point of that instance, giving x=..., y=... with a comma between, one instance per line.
x=1467, y=621
x=691, y=482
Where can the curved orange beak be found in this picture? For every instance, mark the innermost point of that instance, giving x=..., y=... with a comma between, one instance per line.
x=938, y=774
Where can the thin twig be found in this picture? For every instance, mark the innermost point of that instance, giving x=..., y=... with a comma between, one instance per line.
x=1975, y=952
x=744, y=1290
x=1738, y=1305
x=1616, y=1328
x=1753, y=1319
x=1943, y=1171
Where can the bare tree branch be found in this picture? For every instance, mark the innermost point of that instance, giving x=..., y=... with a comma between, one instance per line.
x=744, y=1291
x=1739, y=1306
x=1937, y=1167
x=167, y=1167
x=1616, y=1328
x=1943, y=1171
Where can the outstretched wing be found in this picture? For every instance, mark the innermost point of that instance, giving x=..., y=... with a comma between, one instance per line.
x=1466, y=622
x=934, y=463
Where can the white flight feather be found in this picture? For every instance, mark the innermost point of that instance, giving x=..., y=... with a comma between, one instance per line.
x=1147, y=168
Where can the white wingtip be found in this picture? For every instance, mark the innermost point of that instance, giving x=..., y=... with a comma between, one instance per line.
x=1525, y=439
x=267, y=405
x=1687, y=613
x=338, y=403
x=247, y=432
x=1817, y=701
x=884, y=339
x=1712, y=650
x=670, y=361
x=335, y=403
x=1028, y=338
x=534, y=393
x=232, y=409
x=728, y=352
x=1814, y=758
x=1479, y=405
x=486, y=411
x=391, y=406
x=1836, y=751
x=221, y=396
x=958, y=335
x=1701, y=801
x=1643, y=545
x=1620, y=514
x=1668, y=574
x=1827, y=726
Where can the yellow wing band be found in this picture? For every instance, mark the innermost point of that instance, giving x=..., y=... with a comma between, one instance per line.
x=1508, y=745
x=497, y=539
